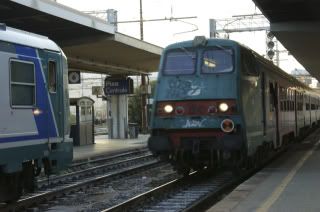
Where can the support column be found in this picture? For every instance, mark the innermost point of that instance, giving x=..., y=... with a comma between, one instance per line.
x=144, y=127
x=118, y=116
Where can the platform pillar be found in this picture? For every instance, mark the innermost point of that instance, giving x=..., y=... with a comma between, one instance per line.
x=118, y=116
x=144, y=119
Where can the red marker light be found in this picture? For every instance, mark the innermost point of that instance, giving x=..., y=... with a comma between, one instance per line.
x=179, y=110
x=212, y=109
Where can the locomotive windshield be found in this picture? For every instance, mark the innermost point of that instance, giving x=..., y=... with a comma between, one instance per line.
x=180, y=62
x=217, y=61
x=214, y=61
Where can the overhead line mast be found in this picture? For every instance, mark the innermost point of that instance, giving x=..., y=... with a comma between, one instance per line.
x=141, y=20
x=247, y=23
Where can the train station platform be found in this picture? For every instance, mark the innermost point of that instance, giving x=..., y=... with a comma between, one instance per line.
x=104, y=146
x=289, y=183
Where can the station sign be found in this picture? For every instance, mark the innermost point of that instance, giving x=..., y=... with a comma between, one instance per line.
x=118, y=86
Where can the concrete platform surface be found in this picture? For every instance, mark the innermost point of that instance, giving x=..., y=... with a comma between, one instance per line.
x=290, y=183
x=105, y=146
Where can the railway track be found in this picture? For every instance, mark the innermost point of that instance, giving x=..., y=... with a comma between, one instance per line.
x=70, y=183
x=180, y=194
x=82, y=170
x=194, y=193
x=96, y=160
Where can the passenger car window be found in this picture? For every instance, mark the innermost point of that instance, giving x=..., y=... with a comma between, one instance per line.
x=180, y=62
x=217, y=61
x=52, y=77
x=22, y=79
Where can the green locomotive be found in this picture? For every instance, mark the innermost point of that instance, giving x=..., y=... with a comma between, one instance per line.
x=219, y=103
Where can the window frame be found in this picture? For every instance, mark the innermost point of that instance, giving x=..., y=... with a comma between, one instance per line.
x=34, y=85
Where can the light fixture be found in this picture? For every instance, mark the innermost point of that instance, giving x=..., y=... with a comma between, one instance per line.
x=168, y=108
x=36, y=112
x=227, y=125
x=223, y=107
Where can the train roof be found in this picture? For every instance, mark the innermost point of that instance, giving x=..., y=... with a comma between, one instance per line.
x=189, y=43
x=227, y=42
x=8, y=34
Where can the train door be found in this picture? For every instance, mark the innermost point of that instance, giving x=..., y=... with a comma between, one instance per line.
x=263, y=96
x=277, y=115
x=54, y=86
x=274, y=111
x=296, y=112
x=310, y=114
x=308, y=111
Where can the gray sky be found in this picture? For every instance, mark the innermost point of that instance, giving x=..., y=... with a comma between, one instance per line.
x=164, y=33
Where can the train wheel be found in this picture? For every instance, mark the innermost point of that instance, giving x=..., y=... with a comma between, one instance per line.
x=239, y=163
x=198, y=167
x=249, y=162
x=183, y=170
x=10, y=187
x=256, y=159
x=164, y=157
x=29, y=182
x=261, y=155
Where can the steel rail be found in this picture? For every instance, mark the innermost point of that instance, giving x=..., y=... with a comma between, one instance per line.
x=64, y=190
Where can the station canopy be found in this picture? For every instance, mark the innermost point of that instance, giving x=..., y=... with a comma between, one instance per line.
x=90, y=43
x=296, y=24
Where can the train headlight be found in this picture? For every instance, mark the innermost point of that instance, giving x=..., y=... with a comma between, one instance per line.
x=223, y=107
x=36, y=112
x=227, y=125
x=168, y=108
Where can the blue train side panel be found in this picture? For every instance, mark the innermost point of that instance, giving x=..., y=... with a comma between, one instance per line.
x=34, y=128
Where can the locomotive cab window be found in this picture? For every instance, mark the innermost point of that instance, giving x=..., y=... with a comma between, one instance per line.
x=216, y=61
x=22, y=83
x=180, y=62
x=52, y=85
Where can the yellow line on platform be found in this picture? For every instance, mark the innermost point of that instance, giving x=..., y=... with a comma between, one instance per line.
x=278, y=191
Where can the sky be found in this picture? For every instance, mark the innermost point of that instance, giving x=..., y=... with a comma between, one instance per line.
x=163, y=33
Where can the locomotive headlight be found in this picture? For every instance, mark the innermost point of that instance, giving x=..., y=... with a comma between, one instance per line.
x=223, y=107
x=168, y=108
x=227, y=125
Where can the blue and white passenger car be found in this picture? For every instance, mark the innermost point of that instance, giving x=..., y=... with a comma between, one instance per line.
x=34, y=109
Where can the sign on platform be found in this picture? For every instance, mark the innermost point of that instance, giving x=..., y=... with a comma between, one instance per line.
x=97, y=90
x=117, y=86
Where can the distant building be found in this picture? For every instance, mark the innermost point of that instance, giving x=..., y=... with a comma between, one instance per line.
x=299, y=72
x=303, y=76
